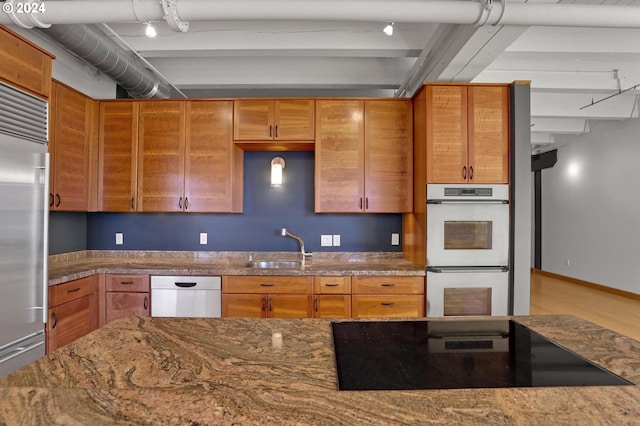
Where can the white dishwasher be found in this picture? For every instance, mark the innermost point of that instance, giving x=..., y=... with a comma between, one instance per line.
x=186, y=296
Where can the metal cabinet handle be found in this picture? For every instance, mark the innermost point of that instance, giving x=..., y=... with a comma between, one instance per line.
x=58, y=200
x=180, y=203
x=73, y=290
x=388, y=285
x=270, y=131
x=263, y=306
x=464, y=172
x=55, y=320
x=145, y=304
x=267, y=284
x=50, y=199
x=276, y=131
x=270, y=305
x=332, y=284
x=360, y=203
x=185, y=284
x=126, y=282
x=387, y=303
x=186, y=203
x=470, y=172
x=315, y=305
x=133, y=203
x=366, y=203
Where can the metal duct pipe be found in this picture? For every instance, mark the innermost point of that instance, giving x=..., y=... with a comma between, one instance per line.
x=434, y=11
x=97, y=49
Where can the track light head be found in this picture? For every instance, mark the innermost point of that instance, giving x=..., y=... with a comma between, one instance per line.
x=388, y=30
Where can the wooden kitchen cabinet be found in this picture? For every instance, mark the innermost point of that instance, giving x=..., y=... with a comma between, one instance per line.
x=73, y=311
x=126, y=295
x=69, y=149
x=117, y=152
x=363, y=159
x=186, y=158
x=384, y=296
x=267, y=296
x=274, y=120
x=467, y=134
x=332, y=297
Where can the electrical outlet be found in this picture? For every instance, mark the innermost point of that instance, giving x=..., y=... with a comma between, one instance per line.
x=326, y=240
x=203, y=238
x=336, y=240
x=119, y=238
x=395, y=239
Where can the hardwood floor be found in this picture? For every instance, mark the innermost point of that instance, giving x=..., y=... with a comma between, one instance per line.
x=550, y=295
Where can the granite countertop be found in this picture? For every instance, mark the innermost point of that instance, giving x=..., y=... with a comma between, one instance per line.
x=67, y=267
x=235, y=371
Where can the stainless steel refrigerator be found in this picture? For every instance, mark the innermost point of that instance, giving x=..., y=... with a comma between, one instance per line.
x=23, y=227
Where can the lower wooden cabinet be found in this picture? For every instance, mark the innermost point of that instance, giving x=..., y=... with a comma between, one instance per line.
x=73, y=311
x=332, y=297
x=387, y=296
x=266, y=296
x=126, y=295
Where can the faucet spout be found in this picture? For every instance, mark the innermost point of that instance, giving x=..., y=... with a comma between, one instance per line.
x=300, y=241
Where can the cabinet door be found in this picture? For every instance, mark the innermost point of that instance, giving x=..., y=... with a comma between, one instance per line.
x=339, y=157
x=69, y=321
x=243, y=305
x=388, y=161
x=381, y=306
x=488, y=134
x=294, y=119
x=69, y=149
x=119, y=305
x=447, y=134
x=289, y=306
x=253, y=120
x=212, y=172
x=332, y=306
x=118, y=150
x=161, y=156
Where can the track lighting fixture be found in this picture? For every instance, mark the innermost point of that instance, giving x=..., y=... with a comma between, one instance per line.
x=388, y=30
x=150, y=31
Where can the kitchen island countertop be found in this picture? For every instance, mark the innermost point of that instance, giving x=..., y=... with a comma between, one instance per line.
x=240, y=371
x=71, y=266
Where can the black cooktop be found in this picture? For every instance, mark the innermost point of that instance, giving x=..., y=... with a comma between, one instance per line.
x=397, y=355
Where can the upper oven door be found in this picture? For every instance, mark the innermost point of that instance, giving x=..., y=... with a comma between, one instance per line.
x=468, y=233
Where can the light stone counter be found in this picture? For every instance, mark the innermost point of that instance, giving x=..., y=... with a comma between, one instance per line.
x=67, y=267
x=231, y=371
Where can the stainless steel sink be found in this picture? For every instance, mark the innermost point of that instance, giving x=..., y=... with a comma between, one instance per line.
x=273, y=264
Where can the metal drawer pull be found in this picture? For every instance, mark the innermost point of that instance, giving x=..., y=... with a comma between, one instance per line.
x=388, y=285
x=316, y=304
x=266, y=285
x=74, y=290
x=270, y=305
x=387, y=303
x=55, y=320
x=332, y=284
x=145, y=303
x=185, y=285
x=126, y=282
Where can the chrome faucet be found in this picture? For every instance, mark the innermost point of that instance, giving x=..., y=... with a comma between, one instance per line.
x=303, y=253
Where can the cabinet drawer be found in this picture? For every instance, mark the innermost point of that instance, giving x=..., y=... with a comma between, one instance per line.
x=332, y=285
x=128, y=283
x=73, y=290
x=267, y=284
x=123, y=304
x=387, y=306
x=387, y=285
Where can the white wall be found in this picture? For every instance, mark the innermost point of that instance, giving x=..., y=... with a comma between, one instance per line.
x=591, y=207
x=70, y=70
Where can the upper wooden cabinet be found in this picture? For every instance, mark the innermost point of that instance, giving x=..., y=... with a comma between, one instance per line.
x=69, y=147
x=363, y=159
x=289, y=120
x=24, y=64
x=467, y=134
x=118, y=150
x=186, y=157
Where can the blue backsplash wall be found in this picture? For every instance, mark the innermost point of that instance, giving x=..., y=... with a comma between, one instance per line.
x=266, y=211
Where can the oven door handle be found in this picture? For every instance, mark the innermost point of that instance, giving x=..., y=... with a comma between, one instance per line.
x=468, y=201
x=457, y=269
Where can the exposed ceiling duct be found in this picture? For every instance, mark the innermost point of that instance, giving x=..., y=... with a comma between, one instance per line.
x=95, y=48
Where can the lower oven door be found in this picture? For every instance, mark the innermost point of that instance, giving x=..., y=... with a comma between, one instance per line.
x=467, y=291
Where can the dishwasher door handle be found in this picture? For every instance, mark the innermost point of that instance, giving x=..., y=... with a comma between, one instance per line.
x=185, y=284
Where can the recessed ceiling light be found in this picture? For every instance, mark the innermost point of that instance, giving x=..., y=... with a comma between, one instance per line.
x=388, y=30
x=150, y=31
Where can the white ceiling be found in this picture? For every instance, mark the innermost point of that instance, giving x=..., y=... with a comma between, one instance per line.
x=569, y=67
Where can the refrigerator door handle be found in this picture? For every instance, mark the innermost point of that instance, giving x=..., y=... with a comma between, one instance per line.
x=45, y=243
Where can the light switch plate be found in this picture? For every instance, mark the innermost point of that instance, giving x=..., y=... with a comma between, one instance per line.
x=395, y=239
x=336, y=240
x=203, y=238
x=326, y=240
x=119, y=238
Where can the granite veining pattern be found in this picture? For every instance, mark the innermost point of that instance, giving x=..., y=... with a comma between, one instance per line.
x=282, y=371
x=67, y=267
